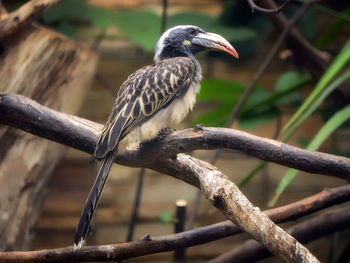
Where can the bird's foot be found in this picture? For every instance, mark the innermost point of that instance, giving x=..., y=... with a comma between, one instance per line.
x=157, y=140
x=198, y=127
x=164, y=132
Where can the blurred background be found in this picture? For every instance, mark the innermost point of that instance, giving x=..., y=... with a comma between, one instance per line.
x=123, y=34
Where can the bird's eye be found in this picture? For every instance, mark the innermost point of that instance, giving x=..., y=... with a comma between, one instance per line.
x=192, y=31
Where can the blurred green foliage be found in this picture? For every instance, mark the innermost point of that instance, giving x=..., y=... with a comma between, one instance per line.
x=261, y=107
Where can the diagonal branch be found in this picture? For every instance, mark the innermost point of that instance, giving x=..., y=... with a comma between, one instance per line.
x=82, y=134
x=216, y=187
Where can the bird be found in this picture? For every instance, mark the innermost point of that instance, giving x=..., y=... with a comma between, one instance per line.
x=151, y=99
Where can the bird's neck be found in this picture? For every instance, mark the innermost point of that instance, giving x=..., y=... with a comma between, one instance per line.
x=198, y=69
x=167, y=55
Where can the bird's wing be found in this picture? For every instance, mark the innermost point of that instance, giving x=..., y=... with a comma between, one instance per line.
x=143, y=94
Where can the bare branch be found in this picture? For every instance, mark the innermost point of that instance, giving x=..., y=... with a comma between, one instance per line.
x=25, y=15
x=198, y=236
x=304, y=232
x=79, y=133
x=265, y=10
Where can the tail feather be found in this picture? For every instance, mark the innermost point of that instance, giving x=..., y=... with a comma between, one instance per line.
x=92, y=200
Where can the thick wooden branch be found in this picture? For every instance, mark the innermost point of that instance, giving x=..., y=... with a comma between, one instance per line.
x=305, y=232
x=23, y=113
x=24, y=16
x=197, y=236
x=216, y=187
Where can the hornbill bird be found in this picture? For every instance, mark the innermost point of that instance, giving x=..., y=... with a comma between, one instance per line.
x=152, y=98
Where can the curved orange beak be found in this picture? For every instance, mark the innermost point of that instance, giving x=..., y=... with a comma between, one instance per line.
x=215, y=41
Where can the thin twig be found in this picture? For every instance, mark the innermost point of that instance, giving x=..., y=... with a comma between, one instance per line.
x=136, y=205
x=98, y=39
x=105, y=83
x=164, y=16
x=265, y=10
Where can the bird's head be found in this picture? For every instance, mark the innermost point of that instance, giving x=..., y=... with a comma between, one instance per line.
x=187, y=40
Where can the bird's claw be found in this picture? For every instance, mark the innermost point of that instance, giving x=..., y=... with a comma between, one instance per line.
x=164, y=132
x=198, y=127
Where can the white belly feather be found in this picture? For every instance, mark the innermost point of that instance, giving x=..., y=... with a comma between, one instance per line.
x=171, y=115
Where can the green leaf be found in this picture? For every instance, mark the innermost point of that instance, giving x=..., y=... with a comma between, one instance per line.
x=286, y=82
x=309, y=24
x=217, y=117
x=259, y=113
x=219, y=90
x=100, y=17
x=165, y=218
x=280, y=94
x=66, y=28
x=334, y=30
x=66, y=10
x=331, y=125
x=142, y=27
x=312, y=108
x=340, y=61
x=226, y=94
x=303, y=142
x=258, y=119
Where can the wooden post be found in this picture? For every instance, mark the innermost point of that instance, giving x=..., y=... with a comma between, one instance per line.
x=180, y=254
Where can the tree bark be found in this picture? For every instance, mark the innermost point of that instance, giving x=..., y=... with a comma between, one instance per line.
x=56, y=71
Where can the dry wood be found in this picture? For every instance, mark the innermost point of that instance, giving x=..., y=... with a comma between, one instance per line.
x=55, y=71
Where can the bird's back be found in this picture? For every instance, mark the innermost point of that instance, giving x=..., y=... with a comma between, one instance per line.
x=146, y=94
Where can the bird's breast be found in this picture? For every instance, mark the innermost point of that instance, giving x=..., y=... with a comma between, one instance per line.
x=173, y=114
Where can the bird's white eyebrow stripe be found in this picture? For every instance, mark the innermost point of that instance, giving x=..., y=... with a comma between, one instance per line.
x=160, y=43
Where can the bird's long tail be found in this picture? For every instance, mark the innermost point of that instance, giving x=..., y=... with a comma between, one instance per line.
x=92, y=200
